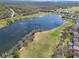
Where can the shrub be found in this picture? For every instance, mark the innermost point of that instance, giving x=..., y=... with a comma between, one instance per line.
x=16, y=54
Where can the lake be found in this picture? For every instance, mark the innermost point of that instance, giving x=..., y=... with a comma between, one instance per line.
x=10, y=35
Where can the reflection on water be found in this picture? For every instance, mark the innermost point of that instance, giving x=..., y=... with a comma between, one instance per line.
x=10, y=35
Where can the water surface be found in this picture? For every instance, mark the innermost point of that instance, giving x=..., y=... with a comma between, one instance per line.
x=11, y=34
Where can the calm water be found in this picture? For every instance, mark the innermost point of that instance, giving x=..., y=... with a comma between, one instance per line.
x=11, y=34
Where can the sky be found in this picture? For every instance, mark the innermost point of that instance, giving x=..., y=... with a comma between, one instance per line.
x=40, y=0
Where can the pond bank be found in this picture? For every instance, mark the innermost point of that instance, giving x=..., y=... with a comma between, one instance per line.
x=13, y=34
x=42, y=45
x=8, y=21
x=21, y=43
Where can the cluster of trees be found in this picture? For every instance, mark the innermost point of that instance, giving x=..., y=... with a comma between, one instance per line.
x=4, y=12
x=24, y=9
x=20, y=10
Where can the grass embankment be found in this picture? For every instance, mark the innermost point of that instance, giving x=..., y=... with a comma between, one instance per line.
x=44, y=44
x=5, y=22
x=57, y=13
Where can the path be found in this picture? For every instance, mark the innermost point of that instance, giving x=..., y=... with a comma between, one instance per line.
x=13, y=12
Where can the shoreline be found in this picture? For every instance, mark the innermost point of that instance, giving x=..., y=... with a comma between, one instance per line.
x=52, y=30
x=32, y=34
x=8, y=21
x=28, y=38
x=37, y=34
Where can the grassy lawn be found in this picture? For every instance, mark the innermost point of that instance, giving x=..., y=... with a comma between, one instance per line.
x=44, y=44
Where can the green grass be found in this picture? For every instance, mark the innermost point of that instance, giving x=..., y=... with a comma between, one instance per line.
x=46, y=45
x=16, y=54
x=57, y=13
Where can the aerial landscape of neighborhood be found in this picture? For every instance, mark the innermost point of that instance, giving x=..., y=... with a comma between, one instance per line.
x=39, y=28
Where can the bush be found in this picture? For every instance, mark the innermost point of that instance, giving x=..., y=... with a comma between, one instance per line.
x=16, y=54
